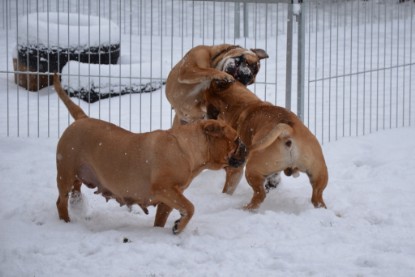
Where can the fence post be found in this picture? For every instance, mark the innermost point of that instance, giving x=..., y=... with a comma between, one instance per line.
x=300, y=13
x=288, y=74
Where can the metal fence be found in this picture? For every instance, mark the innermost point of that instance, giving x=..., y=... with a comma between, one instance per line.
x=359, y=71
x=154, y=36
x=350, y=61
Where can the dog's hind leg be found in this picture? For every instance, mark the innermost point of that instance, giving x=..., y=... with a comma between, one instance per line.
x=319, y=183
x=233, y=177
x=176, y=200
x=66, y=183
x=163, y=212
x=256, y=181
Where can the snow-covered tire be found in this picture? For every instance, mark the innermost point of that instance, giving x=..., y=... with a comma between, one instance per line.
x=47, y=41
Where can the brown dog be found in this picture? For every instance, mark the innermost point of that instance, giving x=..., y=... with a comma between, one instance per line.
x=192, y=75
x=276, y=140
x=146, y=169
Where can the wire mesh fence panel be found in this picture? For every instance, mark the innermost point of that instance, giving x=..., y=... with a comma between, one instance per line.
x=359, y=67
x=152, y=36
x=357, y=62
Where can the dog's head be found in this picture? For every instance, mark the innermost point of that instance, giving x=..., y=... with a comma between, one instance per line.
x=242, y=64
x=225, y=147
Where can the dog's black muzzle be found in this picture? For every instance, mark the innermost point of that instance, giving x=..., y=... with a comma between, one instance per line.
x=239, y=156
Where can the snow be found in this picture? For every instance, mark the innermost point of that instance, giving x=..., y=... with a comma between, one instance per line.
x=367, y=230
x=78, y=76
x=66, y=30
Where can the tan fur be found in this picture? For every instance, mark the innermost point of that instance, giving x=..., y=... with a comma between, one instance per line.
x=287, y=144
x=146, y=169
x=192, y=75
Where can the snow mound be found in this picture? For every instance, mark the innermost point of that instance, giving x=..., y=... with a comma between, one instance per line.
x=92, y=82
x=66, y=30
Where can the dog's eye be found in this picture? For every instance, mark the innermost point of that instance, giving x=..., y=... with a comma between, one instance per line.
x=239, y=60
x=255, y=68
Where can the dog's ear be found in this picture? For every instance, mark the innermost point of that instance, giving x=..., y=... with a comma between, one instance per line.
x=261, y=54
x=213, y=129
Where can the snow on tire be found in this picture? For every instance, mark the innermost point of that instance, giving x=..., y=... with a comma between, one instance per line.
x=47, y=41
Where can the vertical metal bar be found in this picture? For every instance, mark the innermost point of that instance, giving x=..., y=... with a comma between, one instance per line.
x=377, y=72
x=364, y=69
x=357, y=68
x=301, y=61
x=288, y=74
x=130, y=62
x=391, y=70
x=193, y=23
x=276, y=57
x=397, y=68
x=120, y=25
x=141, y=12
x=351, y=68
x=322, y=75
x=384, y=71
x=337, y=70
x=7, y=67
x=371, y=67
x=151, y=64
x=266, y=47
x=246, y=31
x=17, y=61
x=404, y=73
x=330, y=63
x=315, y=72
x=410, y=68
x=344, y=71
x=237, y=21
x=161, y=59
x=171, y=49
x=109, y=67
x=309, y=60
x=37, y=69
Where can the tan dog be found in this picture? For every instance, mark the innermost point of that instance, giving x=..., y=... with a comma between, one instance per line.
x=146, y=169
x=276, y=140
x=192, y=75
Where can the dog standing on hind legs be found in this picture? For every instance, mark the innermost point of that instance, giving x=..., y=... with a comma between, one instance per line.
x=192, y=75
x=276, y=139
x=147, y=169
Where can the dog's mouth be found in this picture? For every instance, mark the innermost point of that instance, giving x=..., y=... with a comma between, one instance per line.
x=239, y=156
x=241, y=70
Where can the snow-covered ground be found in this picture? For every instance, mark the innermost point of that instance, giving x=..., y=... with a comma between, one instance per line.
x=367, y=230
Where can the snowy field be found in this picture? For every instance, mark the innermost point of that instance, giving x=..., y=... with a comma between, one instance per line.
x=368, y=228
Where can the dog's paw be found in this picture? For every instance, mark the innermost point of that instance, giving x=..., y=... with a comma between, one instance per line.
x=272, y=182
x=251, y=207
x=222, y=81
x=175, y=228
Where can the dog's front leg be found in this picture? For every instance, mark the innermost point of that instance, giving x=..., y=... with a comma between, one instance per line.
x=233, y=177
x=163, y=212
x=175, y=199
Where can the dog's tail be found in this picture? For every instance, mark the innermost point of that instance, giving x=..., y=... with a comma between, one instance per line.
x=75, y=111
x=262, y=140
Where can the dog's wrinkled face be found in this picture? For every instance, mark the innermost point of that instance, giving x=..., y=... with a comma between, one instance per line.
x=244, y=67
x=225, y=146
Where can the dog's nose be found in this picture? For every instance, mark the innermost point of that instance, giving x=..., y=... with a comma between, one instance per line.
x=245, y=79
x=239, y=156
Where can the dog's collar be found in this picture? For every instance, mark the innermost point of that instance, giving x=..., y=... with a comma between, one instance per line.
x=223, y=51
